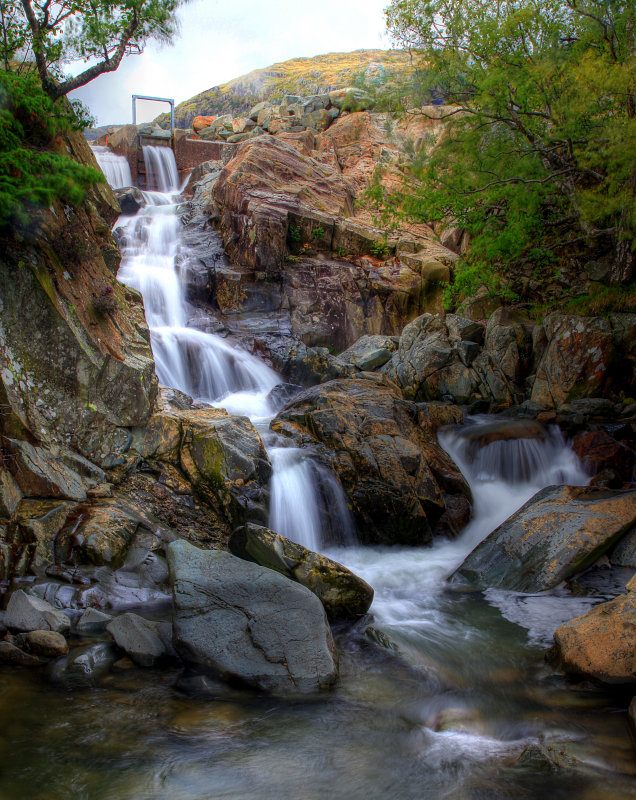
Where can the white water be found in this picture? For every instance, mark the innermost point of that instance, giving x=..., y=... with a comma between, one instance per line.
x=115, y=168
x=308, y=504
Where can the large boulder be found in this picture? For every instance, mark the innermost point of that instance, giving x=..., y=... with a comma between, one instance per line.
x=559, y=532
x=248, y=623
x=384, y=450
x=602, y=643
x=343, y=594
x=141, y=639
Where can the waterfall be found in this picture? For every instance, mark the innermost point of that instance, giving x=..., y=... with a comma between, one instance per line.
x=115, y=168
x=308, y=504
x=161, y=168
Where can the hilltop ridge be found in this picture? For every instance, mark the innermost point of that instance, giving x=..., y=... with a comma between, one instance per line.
x=301, y=76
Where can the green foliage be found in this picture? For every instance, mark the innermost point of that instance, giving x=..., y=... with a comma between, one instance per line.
x=539, y=151
x=32, y=174
x=98, y=32
x=295, y=234
x=318, y=232
x=379, y=249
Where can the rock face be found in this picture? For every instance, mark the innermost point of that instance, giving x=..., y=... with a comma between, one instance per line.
x=138, y=637
x=602, y=643
x=557, y=533
x=343, y=594
x=396, y=476
x=97, y=367
x=249, y=623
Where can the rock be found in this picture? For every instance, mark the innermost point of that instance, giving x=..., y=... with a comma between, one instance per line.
x=199, y=123
x=83, y=666
x=464, y=329
x=258, y=108
x=508, y=341
x=368, y=352
x=92, y=621
x=602, y=643
x=631, y=715
x=47, y=644
x=391, y=468
x=130, y=199
x=138, y=637
x=39, y=522
x=431, y=364
x=598, y=450
x=259, y=186
x=559, y=532
x=95, y=370
x=10, y=654
x=40, y=474
x=576, y=360
x=249, y=623
x=343, y=594
x=105, y=533
x=624, y=553
x=10, y=494
x=27, y=613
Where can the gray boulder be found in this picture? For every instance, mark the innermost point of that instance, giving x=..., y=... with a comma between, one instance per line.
x=249, y=623
x=92, y=621
x=138, y=637
x=559, y=532
x=343, y=594
x=28, y=613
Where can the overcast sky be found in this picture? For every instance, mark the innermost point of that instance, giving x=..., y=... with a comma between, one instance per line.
x=221, y=40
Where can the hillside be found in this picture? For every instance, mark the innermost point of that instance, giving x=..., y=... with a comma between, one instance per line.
x=303, y=76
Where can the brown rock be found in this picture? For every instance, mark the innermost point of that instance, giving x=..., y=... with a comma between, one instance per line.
x=199, y=123
x=602, y=643
x=598, y=450
x=47, y=644
x=10, y=654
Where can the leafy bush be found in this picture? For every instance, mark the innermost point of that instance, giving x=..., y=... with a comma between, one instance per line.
x=32, y=174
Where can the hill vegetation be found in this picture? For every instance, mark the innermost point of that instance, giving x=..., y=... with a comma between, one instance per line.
x=370, y=69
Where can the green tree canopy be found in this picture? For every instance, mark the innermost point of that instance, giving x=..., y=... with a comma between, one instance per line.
x=98, y=33
x=540, y=102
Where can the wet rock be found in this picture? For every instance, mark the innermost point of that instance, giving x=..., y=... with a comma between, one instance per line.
x=576, y=360
x=282, y=394
x=249, y=623
x=343, y=594
x=57, y=594
x=138, y=637
x=624, y=553
x=391, y=468
x=602, y=643
x=10, y=654
x=83, y=666
x=92, y=621
x=40, y=521
x=559, y=532
x=508, y=341
x=47, y=644
x=106, y=532
x=130, y=199
x=120, y=590
x=27, y=613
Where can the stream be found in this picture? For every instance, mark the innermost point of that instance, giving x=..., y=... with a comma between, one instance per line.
x=440, y=689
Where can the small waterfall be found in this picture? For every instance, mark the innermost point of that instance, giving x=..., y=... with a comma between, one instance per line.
x=307, y=503
x=507, y=463
x=115, y=168
x=161, y=168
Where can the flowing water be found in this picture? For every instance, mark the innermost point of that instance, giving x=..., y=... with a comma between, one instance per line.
x=115, y=168
x=440, y=689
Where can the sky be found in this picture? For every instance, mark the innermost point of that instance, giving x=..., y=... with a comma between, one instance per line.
x=220, y=40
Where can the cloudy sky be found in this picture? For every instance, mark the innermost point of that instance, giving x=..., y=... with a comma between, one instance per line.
x=221, y=40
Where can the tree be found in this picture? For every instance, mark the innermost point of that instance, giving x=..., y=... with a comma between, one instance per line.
x=56, y=32
x=540, y=102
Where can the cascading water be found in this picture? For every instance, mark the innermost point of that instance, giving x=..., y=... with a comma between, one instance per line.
x=115, y=168
x=308, y=504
